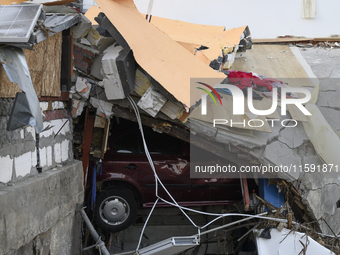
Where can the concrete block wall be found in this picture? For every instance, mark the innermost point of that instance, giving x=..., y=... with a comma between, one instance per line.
x=18, y=155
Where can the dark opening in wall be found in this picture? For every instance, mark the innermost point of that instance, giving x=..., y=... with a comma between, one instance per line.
x=338, y=204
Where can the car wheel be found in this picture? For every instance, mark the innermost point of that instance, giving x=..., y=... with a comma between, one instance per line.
x=115, y=210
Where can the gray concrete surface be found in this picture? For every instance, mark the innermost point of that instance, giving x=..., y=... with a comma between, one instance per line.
x=321, y=191
x=169, y=222
x=38, y=214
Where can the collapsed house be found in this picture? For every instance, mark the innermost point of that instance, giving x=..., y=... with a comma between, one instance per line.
x=160, y=72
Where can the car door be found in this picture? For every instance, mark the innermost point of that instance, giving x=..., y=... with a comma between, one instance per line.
x=218, y=190
x=127, y=157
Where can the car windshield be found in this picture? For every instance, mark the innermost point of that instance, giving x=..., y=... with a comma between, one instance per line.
x=130, y=142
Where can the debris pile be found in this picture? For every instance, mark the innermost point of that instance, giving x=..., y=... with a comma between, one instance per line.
x=105, y=72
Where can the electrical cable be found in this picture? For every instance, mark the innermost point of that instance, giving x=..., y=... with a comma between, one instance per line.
x=181, y=208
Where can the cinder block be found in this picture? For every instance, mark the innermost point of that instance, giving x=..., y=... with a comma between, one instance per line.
x=109, y=60
x=48, y=132
x=81, y=29
x=113, y=87
x=6, y=169
x=49, y=156
x=58, y=105
x=64, y=150
x=105, y=43
x=83, y=87
x=57, y=153
x=34, y=158
x=58, y=124
x=152, y=101
x=77, y=107
x=21, y=166
x=43, y=154
x=97, y=67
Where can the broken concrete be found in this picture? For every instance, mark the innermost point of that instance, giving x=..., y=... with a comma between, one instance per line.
x=320, y=190
x=152, y=101
x=112, y=83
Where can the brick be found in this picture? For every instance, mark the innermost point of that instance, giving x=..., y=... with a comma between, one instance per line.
x=82, y=65
x=84, y=51
x=76, y=62
x=90, y=54
x=77, y=48
x=77, y=56
x=88, y=61
x=56, y=114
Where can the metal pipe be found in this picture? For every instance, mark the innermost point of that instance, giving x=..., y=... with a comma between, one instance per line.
x=99, y=243
x=230, y=224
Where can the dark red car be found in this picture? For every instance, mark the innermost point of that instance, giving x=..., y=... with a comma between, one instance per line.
x=127, y=181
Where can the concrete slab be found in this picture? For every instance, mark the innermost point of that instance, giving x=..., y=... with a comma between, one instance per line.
x=40, y=211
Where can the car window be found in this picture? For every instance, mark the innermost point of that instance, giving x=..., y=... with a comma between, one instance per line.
x=129, y=143
x=163, y=144
x=158, y=143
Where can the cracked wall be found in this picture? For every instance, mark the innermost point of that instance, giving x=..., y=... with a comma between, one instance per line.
x=18, y=154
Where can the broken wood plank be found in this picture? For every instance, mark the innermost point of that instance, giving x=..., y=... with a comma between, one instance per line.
x=274, y=61
x=87, y=138
x=282, y=40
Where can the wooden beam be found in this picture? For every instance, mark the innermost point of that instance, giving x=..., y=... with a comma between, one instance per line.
x=87, y=139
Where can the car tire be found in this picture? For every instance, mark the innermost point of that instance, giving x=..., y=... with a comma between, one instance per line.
x=115, y=210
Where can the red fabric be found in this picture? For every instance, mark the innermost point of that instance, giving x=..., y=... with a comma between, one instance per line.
x=242, y=80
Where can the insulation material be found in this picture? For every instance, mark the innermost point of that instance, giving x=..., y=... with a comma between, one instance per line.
x=160, y=56
x=94, y=37
x=308, y=10
x=152, y=101
x=142, y=83
x=44, y=63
